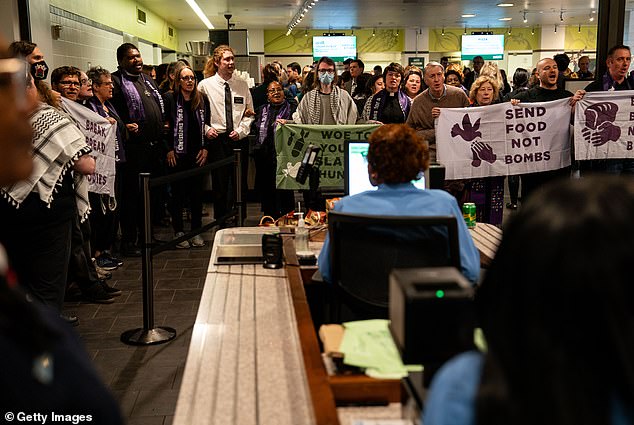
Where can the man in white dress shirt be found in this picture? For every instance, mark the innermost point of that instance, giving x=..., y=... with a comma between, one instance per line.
x=231, y=119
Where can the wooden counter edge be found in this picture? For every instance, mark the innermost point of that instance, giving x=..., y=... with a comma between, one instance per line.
x=324, y=407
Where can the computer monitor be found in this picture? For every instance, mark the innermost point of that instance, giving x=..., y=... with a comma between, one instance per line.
x=356, y=177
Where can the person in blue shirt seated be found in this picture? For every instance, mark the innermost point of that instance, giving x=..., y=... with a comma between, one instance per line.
x=557, y=311
x=396, y=156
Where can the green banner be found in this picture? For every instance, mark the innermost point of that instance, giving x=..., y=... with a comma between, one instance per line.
x=292, y=140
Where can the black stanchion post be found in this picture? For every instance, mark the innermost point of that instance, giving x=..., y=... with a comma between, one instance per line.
x=238, y=171
x=148, y=335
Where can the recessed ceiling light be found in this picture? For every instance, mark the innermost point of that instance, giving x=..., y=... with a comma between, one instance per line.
x=468, y=15
x=505, y=5
x=505, y=19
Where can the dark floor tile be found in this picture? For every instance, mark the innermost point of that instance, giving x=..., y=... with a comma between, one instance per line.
x=147, y=420
x=83, y=311
x=175, y=307
x=98, y=341
x=156, y=263
x=124, y=323
x=195, y=272
x=134, y=274
x=198, y=262
x=154, y=379
x=126, y=400
x=169, y=274
x=182, y=283
x=160, y=295
x=168, y=420
x=126, y=309
x=126, y=285
x=187, y=294
x=178, y=379
x=101, y=325
x=155, y=402
x=179, y=322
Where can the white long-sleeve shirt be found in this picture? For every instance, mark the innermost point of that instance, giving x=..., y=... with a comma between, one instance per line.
x=214, y=88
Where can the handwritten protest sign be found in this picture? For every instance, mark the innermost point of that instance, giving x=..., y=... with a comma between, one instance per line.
x=604, y=125
x=502, y=139
x=291, y=141
x=100, y=136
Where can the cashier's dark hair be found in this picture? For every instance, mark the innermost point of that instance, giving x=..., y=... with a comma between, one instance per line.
x=557, y=309
x=397, y=154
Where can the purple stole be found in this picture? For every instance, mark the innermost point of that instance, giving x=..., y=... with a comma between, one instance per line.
x=282, y=113
x=378, y=101
x=133, y=98
x=181, y=125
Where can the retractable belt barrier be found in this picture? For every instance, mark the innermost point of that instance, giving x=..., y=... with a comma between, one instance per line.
x=150, y=334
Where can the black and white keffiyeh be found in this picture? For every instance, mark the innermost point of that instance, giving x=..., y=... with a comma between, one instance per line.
x=57, y=144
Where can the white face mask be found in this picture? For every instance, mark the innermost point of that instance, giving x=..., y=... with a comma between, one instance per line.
x=326, y=78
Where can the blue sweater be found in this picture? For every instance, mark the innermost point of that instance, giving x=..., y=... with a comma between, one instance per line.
x=404, y=199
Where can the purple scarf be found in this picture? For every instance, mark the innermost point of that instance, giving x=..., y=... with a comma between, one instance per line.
x=181, y=125
x=95, y=104
x=283, y=113
x=378, y=101
x=133, y=98
x=609, y=83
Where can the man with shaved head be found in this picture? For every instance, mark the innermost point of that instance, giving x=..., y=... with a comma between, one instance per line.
x=547, y=91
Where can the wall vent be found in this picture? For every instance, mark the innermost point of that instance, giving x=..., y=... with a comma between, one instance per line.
x=141, y=16
x=170, y=31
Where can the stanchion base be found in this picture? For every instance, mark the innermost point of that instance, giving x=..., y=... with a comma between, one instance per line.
x=153, y=336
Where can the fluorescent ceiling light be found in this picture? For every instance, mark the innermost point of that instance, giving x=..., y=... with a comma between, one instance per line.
x=468, y=15
x=505, y=5
x=505, y=19
x=199, y=13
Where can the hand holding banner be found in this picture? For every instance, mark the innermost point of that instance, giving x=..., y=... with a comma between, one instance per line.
x=604, y=125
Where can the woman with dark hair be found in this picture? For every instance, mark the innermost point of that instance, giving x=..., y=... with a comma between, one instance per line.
x=557, y=310
x=270, y=73
x=374, y=85
x=520, y=84
x=396, y=156
x=453, y=78
x=187, y=111
x=390, y=105
x=412, y=84
x=277, y=111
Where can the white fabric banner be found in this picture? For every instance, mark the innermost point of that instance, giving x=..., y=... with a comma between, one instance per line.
x=100, y=136
x=503, y=139
x=604, y=125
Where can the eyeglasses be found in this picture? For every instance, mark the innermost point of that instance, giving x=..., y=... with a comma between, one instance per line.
x=275, y=90
x=105, y=83
x=86, y=82
x=188, y=78
x=326, y=71
x=69, y=83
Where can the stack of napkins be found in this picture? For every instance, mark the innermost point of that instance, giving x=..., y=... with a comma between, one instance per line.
x=368, y=344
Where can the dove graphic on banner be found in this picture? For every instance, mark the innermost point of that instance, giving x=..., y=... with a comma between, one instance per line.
x=481, y=151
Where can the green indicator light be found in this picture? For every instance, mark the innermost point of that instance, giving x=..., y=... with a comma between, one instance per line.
x=440, y=293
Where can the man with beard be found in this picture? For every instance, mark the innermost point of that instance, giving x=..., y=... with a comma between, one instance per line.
x=140, y=106
x=547, y=91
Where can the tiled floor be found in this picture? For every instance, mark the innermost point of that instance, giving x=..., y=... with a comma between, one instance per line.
x=146, y=380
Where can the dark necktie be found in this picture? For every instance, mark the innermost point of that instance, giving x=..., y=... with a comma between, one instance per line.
x=228, y=110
